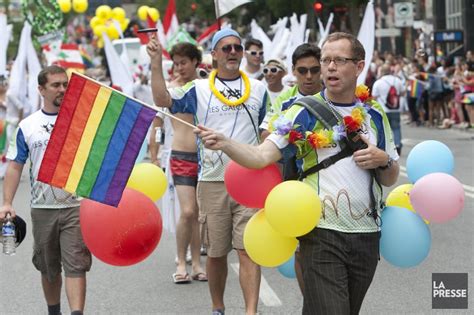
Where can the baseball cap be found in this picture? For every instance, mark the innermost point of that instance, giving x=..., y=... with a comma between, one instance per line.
x=20, y=229
x=225, y=32
x=277, y=63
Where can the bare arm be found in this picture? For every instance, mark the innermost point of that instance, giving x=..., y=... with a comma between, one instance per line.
x=155, y=143
x=10, y=185
x=247, y=155
x=161, y=97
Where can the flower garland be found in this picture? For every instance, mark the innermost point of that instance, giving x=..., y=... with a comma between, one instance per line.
x=222, y=98
x=324, y=138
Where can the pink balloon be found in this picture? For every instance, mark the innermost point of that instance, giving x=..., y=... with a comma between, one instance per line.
x=437, y=197
x=125, y=235
x=250, y=187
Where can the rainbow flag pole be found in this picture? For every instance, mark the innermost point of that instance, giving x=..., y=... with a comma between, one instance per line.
x=97, y=137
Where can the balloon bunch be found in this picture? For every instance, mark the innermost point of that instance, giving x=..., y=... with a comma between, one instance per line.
x=144, y=11
x=44, y=17
x=290, y=209
x=105, y=20
x=127, y=234
x=78, y=6
x=435, y=196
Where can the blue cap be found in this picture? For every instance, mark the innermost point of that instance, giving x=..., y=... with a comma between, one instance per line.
x=225, y=32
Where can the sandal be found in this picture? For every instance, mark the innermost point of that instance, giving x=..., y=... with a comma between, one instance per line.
x=180, y=278
x=200, y=276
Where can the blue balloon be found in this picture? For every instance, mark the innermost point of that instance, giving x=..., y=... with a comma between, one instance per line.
x=406, y=238
x=288, y=268
x=142, y=152
x=428, y=157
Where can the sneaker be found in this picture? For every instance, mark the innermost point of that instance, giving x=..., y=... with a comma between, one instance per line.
x=218, y=312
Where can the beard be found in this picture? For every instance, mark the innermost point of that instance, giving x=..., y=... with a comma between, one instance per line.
x=57, y=101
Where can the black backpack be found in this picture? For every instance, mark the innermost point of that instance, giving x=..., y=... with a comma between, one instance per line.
x=393, y=98
x=349, y=145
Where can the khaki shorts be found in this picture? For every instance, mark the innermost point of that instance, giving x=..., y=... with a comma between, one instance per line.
x=58, y=240
x=222, y=219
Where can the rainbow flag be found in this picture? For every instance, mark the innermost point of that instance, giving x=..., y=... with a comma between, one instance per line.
x=97, y=137
x=416, y=88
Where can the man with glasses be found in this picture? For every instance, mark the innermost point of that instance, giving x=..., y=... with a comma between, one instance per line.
x=253, y=58
x=340, y=255
x=274, y=71
x=235, y=105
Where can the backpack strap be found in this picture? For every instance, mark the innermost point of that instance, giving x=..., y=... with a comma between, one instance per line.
x=329, y=119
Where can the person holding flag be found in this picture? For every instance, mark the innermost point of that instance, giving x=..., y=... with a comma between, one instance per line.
x=235, y=105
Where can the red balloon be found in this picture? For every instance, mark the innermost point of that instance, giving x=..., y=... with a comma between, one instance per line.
x=250, y=187
x=125, y=235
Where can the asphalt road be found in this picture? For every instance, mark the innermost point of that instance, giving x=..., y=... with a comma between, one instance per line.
x=147, y=288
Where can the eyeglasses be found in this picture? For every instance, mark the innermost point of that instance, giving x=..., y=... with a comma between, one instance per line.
x=267, y=70
x=228, y=48
x=255, y=53
x=339, y=61
x=304, y=70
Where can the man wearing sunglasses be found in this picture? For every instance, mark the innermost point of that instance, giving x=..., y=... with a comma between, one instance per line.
x=235, y=105
x=340, y=255
x=274, y=71
x=253, y=59
x=307, y=70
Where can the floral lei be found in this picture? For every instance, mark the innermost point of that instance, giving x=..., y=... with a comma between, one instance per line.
x=222, y=98
x=324, y=137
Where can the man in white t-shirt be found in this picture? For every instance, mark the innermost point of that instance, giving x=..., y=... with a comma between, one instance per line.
x=253, y=59
x=380, y=91
x=235, y=105
x=58, y=242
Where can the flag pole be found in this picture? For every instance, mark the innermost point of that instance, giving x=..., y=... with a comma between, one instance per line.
x=155, y=108
x=216, y=7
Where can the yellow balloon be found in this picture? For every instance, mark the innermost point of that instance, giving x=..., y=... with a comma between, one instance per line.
x=293, y=208
x=80, y=6
x=149, y=179
x=104, y=12
x=400, y=197
x=118, y=14
x=154, y=14
x=142, y=12
x=124, y=24
x=112, y=31
x=95, y=21
x=65, y=6
x=99, y=29
x=100, y=43
x=264, y=245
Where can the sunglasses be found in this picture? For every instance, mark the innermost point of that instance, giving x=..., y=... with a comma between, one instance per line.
x=228, y=48
x=267, y=70
x=304, y=70
x=255, y=53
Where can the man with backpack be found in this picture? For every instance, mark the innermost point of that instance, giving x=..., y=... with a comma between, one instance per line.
x=387, y=91
x=340, y=255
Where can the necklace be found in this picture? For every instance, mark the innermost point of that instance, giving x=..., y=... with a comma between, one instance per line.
x=222, y=98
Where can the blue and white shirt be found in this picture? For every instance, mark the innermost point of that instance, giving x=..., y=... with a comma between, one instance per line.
x=233, y=121
x=30, y=141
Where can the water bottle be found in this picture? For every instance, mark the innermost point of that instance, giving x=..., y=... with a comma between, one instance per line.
x=9, y=238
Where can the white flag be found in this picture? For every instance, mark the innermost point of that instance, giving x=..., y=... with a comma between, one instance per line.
x=119, y=73
x=225, y=6
x=367, y=38
x=4, y=39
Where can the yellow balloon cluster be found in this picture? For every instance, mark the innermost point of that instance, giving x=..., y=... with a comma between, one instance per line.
x=264, y=245
x=79, y=6
x=292, y=209
x=144, y=11
x=104, y=22
x=148, y=179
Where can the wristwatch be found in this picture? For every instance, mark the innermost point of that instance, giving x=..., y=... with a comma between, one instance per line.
x=389, y=163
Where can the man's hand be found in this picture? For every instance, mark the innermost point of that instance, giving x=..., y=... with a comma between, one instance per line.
x=210, y=138
x=5, y=210
x=371, y=157
x=153, y=48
